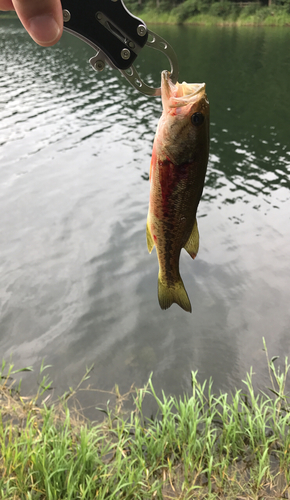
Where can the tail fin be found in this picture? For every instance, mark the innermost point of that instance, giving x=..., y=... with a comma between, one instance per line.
x=168, y=295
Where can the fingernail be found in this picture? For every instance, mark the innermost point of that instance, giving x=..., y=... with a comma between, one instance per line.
x=44, y=29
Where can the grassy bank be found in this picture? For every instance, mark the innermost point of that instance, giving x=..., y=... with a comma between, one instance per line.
x=198, y=446
x=221, y=13
x=154, y=17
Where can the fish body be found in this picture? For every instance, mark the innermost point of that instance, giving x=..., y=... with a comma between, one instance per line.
x=177, y=173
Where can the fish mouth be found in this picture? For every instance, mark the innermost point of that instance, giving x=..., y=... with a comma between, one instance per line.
x=179, y=94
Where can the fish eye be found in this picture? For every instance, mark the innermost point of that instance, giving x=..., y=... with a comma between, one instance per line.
x=197, y=119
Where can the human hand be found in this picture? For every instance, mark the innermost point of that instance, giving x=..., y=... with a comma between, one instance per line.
x=41, y=18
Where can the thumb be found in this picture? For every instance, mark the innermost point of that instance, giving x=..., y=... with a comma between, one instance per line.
x=42, y=19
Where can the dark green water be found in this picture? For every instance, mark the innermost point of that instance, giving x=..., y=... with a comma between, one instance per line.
x=77, y=283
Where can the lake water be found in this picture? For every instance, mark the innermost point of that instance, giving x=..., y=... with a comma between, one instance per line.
x=77, y=283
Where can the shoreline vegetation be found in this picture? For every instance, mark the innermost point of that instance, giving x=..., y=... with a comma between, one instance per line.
x=207, y=12
x=212, y=12
x=234, y=446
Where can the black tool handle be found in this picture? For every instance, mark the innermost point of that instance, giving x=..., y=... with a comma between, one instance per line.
x=108, y=25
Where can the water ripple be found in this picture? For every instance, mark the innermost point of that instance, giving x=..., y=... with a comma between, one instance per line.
x=77, y=282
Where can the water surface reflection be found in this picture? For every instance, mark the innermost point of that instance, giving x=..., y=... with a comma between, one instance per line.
x=77, y=283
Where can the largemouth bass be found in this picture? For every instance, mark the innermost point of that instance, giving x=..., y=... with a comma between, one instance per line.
x=177, y=173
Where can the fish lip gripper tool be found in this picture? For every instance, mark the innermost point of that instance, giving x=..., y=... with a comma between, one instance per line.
x=117, y=36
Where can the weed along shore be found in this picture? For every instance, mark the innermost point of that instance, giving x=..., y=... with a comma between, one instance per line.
x=199, y=446
x=212, y=13
x=279, y=19
x=208, y=13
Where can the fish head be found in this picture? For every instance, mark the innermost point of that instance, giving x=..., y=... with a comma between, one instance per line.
x=183, y=130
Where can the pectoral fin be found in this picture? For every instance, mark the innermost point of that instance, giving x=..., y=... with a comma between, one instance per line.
x=150, y=242
x=192, y=243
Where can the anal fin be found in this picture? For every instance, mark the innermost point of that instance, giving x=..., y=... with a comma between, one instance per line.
x=192, y=243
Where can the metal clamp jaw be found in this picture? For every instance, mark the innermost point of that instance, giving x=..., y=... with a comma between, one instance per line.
x=117, y=36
